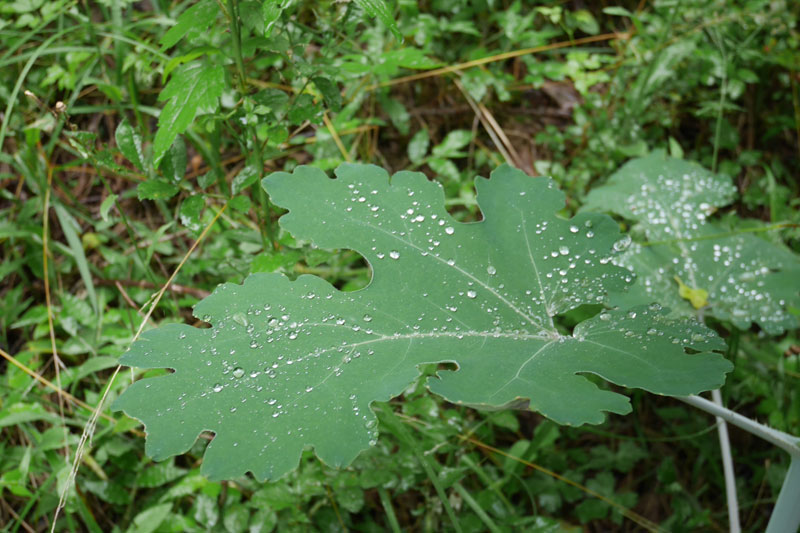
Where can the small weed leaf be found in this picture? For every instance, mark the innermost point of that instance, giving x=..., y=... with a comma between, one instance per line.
x=690, y=260
x=130, y=144
x=293, y=364
x=194, y=89
x=191, y=22
x=380, y=10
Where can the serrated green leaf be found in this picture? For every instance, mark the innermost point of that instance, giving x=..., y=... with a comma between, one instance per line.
x=130, y=144
x=275, y=99
x=156, y=190
x=192, y=211
x=271, y=12
x=173, y=165
x=380, y=10
x=245, y=178
x=250, y=14
x=290, y=364
x=194, y=89
x=330, y=92
x=175, y=62
x=747, y=279
x=304, y=108
x=240, y=203
x=194, y=21
x=160, y=474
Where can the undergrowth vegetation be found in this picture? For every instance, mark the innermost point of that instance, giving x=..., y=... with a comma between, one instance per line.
x=135, y=136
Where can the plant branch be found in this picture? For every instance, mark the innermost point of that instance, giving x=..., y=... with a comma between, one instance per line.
x=784, y=441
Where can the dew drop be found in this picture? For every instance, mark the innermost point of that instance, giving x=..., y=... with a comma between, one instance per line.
x=238, y=372
x=217, y=388
x=471, y=294
x=622, y=244
x=449, y=230
x=394, y=254
x=491, y=270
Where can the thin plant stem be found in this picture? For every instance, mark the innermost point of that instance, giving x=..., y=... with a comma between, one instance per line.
x=722, y=89
x=727, y=468
x=386, y=502
x=476, y=508
x=786, y=513
x=784, y=441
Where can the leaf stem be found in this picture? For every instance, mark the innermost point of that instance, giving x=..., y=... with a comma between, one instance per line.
x=784, y=441
x=734, y=523
x=786, y=513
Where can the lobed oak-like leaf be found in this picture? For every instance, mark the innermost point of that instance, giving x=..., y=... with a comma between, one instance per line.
x=743, y=278
x=293, y=364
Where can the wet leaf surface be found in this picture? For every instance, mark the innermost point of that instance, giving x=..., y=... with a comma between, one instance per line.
x=747, y=278
x=291, y=364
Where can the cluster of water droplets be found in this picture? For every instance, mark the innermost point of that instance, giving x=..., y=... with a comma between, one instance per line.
x=672, y=205
x=647, y=325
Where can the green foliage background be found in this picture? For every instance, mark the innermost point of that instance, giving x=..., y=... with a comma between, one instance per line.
x=131, y=129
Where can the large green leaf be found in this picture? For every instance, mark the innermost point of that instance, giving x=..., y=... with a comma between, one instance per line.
x=742, y=278
x=290, y=364
x=194, y=89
